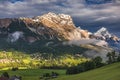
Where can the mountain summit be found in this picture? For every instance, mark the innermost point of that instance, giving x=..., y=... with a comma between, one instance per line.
x=103, y=32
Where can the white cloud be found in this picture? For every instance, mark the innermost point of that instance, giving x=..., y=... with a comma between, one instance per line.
x=106, y=18
x=75, y=8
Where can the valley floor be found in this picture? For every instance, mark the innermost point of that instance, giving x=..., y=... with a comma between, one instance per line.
x=109, y=72
x=32, y=74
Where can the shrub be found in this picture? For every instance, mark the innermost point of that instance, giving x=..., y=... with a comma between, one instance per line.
x=92, y=64
x=14, y=68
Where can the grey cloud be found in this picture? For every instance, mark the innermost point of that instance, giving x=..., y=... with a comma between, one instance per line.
x=86, y=41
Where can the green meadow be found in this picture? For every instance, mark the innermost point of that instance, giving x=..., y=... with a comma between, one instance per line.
x=33, y=74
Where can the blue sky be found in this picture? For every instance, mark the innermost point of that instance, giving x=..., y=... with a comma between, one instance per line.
x=88, y=14
x=13, y=1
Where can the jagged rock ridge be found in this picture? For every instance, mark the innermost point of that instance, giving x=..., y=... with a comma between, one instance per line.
x=47, y=26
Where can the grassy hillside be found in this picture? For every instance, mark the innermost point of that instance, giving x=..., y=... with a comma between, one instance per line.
x=109, y=72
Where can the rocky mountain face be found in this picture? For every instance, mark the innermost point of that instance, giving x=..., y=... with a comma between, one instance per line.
x=112, y=40
x=104, y=34
x=53, y=32
x=47, y=26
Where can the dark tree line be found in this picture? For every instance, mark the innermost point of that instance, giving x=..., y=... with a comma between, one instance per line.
x=92, y=64
x=113, y=57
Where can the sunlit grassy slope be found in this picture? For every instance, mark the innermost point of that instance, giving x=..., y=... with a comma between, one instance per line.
x=109, y=72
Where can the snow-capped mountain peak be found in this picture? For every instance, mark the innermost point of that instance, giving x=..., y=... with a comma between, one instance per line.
x=103, y=32
x=112, y=40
